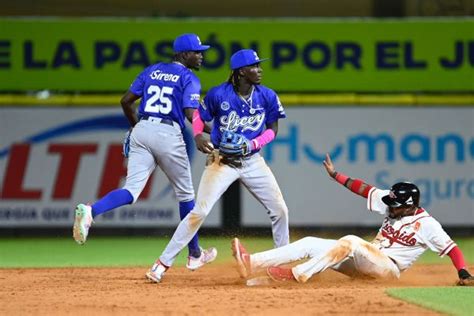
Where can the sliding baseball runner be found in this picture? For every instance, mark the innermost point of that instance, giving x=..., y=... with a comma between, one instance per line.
x=407, y=231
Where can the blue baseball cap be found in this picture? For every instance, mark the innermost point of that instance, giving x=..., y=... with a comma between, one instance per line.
x=188, y=42
x=244, y=57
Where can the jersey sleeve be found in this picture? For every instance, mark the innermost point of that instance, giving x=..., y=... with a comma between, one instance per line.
x=206, y=109
x=275, y=110
x=192, y=92
x=374, y=201
x=434, y=236
x=137, y=85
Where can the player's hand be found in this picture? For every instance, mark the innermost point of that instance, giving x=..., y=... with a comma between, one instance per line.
x=203, y=144
x=469, y=281
x=329, y=166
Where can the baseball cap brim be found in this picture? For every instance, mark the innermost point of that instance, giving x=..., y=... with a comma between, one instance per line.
x=263, y=59
x=202, y=48
x=391, y=201
x=194, y=49
x=247, y=64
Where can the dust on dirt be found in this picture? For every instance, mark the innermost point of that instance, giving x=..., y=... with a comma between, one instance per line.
x=213, y=290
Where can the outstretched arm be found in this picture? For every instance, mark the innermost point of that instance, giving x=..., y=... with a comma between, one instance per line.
x=355, y=185
x=457, y=258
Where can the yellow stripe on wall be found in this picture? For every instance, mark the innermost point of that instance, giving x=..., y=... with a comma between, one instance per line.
x=46, y=99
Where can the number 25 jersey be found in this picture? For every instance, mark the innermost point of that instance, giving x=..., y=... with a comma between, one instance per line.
x=166, y=89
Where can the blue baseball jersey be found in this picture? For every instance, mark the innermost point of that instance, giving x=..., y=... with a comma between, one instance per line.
x=166, y=89
x=230, y=111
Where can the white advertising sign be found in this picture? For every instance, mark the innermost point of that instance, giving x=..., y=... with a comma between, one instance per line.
x=432, y=147
x=53, y=158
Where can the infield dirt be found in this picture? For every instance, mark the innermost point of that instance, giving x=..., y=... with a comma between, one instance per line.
x=213, y=290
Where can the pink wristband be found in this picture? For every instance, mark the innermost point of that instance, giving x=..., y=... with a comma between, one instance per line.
x=267, y=136
x=198, y=124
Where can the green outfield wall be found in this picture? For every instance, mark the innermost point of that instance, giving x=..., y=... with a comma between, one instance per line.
x=350, y=55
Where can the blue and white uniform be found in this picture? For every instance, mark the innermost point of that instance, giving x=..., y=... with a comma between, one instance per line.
x=166, y=89
x=230, y=111
x=250, y=117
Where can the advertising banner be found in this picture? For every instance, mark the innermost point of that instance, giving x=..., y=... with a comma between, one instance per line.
x=53, y=159
x=432, y=147
x=335, y=55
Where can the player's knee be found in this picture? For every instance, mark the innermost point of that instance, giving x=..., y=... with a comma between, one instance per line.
x=200, y=211
x=280, y=214
x=350, y=241
x=351, y=238
x=341, y=249
x=196, y=217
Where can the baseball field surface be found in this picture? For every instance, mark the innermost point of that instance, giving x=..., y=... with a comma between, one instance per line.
x=107, y=276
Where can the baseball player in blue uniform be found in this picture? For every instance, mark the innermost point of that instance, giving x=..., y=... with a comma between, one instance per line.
x=169, y=93
x=245, y=117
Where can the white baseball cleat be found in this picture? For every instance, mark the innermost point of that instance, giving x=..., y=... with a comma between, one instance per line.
x=156, y=273
x=82, y=222
x=207, y=256
x=242, y=257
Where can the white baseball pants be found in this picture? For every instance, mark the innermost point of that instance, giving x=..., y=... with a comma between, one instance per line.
x=350, y=255
x=256, y=176
x=151, y=144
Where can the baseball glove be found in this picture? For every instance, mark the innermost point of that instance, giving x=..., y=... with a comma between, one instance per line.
x=234, y=145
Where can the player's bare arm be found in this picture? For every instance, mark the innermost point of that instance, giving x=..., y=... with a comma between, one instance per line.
x=127, y=106
x=355, y=185
x=274, y=127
